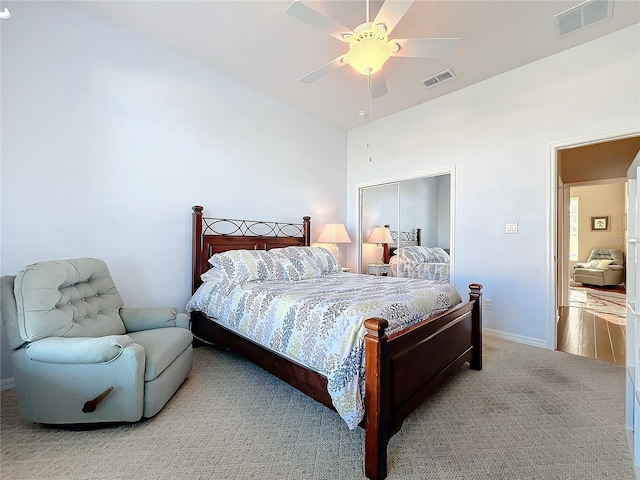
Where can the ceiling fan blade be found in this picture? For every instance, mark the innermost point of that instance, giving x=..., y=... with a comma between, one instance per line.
x=329, y=67
x=391, y=12
x=317, y=20
x=426, y=47
x=378, y=84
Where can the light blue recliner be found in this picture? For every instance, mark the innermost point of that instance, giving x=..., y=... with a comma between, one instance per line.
x=79, y=356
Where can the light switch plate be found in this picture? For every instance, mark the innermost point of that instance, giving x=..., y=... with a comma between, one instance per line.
x=511, y=227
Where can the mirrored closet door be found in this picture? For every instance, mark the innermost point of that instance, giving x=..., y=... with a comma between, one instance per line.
x=416, y=211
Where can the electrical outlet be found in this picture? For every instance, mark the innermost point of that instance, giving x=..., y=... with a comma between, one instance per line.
x=511, y=227
x=488, y=303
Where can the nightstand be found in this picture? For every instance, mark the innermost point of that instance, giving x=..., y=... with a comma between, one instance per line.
x=379, y=269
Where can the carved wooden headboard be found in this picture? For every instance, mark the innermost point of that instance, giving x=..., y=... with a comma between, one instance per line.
x=214, y=235
x=403, y=239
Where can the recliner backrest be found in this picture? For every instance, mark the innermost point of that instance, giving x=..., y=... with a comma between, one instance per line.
x=607, y=254
x=8, y=311
x=67, y=298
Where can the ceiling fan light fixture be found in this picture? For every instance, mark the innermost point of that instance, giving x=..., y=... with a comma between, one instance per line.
x=369, y=44
x=381, y=29
x=368, y=51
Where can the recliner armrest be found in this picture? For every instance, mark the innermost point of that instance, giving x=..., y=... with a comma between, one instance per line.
x=74, y=350
x=183, y=320
x=138, y=319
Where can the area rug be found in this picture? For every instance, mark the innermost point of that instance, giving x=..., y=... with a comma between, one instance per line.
x=598, y=300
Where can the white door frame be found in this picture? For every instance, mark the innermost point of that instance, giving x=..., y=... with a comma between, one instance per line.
x=552, y=221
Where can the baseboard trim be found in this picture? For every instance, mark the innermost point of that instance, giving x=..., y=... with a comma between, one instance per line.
x=534, y=342
x=7, y=384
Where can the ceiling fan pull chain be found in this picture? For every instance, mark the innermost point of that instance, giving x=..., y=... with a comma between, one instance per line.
x=370, y=113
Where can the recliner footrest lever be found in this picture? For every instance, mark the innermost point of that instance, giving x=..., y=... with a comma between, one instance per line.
x=91, y=405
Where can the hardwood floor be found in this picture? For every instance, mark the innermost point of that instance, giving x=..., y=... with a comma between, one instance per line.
x=593, y=325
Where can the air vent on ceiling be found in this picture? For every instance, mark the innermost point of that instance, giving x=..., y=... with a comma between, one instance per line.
x=583, y=15
x=439, y=78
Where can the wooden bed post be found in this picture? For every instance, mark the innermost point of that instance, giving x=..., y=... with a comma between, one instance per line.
x=475, y=295
x=376, y=399
x=196, y=257
x=306, y=230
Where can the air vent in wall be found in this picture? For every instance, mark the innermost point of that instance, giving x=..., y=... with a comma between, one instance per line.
x=439, y=78
x=583, y=15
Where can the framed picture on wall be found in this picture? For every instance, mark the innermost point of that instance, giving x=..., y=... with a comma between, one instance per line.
x=600, y=223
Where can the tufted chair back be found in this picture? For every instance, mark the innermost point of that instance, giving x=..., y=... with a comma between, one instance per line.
x=607, y=254
x=67, y=298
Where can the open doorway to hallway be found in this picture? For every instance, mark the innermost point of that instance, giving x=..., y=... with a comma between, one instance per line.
x=593, y=324
x=591, y=247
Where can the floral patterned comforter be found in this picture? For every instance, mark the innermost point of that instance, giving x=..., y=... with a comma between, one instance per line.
x=319, y=322
x=431, y=263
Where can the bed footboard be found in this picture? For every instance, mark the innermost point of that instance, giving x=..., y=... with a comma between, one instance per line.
x=405, y=369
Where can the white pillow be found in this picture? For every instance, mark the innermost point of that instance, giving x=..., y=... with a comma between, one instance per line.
x=604, y=263
x=211, y=274
x=600, y=264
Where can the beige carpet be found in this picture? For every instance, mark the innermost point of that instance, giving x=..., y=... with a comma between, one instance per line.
x=530, y=414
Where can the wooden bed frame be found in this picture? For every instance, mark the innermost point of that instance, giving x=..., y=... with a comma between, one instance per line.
x=400, y=237
x=402, y=370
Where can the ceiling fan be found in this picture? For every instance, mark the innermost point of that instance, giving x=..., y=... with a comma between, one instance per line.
x=369, y=43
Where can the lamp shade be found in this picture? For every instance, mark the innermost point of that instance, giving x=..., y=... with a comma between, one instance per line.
x=334, y=233
x=380, y=235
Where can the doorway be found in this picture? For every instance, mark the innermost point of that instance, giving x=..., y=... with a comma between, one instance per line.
x=590, y=317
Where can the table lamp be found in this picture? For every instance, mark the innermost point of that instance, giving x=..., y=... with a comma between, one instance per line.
x=380, y=235
x=334, y=233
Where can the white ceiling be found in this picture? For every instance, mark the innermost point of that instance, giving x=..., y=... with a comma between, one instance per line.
x=258, y=43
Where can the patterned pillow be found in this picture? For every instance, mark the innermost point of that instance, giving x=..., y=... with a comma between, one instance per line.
x=301, y=263
x=414, y=255
x=419, y=254
x=237, y=266
x=327, y=261
x=440, y=255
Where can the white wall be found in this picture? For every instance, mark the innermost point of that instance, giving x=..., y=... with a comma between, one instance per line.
x=499, y=135
x=109, y=138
